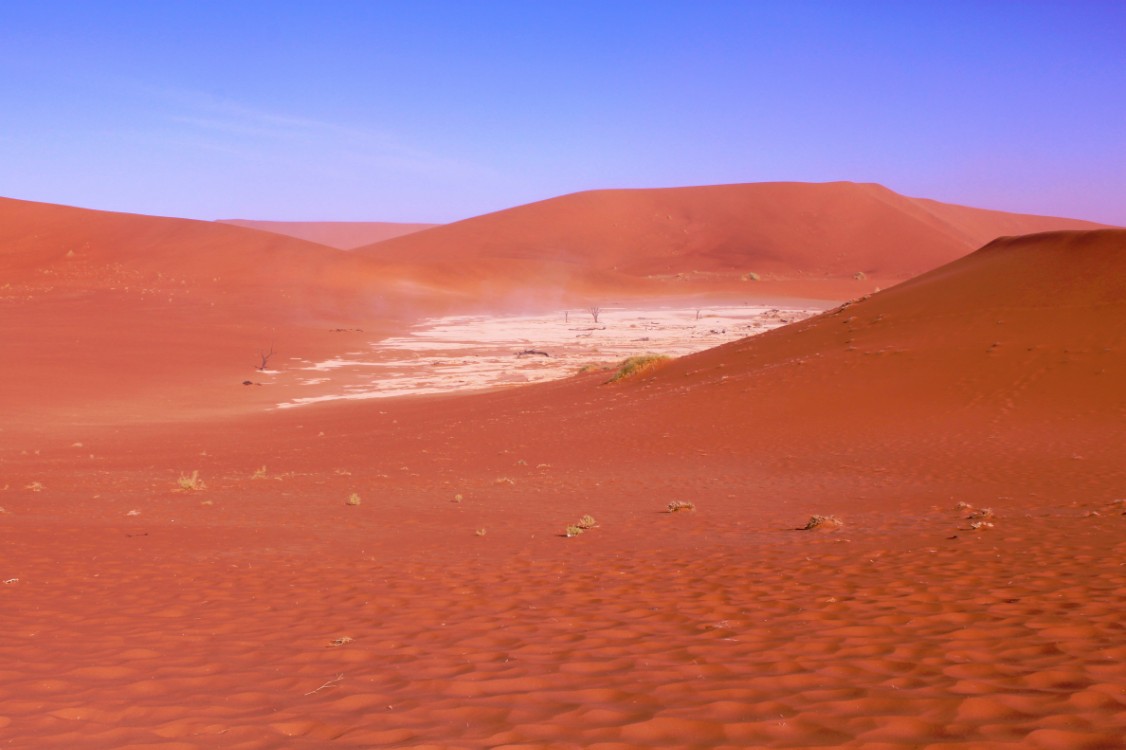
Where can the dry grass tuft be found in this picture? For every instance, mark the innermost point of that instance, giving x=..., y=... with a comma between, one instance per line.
x=505, y=480
x=637, y=365
x=342, y=640
x=678, y=506
x=822, y=523
x=260, y=473
x=190, y=483
x=572, y=531
x=586, y=522
x=354, y=499
x=34, y=487
x=481, y=532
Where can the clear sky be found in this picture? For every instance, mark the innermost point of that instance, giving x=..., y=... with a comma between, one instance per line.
x=414, y=110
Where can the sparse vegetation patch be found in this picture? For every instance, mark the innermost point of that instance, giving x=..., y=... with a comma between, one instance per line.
x=190, y=482
x=822, y=523
x=637, y=365
x=679, y=506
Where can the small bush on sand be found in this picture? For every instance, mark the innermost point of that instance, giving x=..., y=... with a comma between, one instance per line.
x=260, y=473
x=354, y=499
x=823, y=523
x=678, y=506
x=191, y=482
x=480, y=532
x=637, y=365
x=573, y=530
x=586, y=522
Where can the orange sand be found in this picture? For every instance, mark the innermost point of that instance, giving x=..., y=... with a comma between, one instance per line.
x=266, y=612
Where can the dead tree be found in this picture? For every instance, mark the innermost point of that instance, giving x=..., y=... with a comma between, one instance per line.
x=594, y=311
x=265, y=357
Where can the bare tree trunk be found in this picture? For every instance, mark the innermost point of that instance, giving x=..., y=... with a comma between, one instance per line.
x=265, y=357
x=594, y=311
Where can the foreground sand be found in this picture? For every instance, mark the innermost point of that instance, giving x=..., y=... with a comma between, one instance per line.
x=268, y=613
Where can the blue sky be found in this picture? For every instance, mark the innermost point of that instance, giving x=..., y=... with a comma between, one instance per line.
x=436, y=111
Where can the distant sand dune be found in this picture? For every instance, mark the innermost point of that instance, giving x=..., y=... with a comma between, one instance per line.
x=789, y=231
x=343, y=235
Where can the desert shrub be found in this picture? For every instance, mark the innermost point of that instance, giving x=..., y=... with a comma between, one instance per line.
x=354, y=499
x=190, y=482
x=677, y=506
x=573, y=530
x=586, y=522
x=823, y=523
x=636, y=365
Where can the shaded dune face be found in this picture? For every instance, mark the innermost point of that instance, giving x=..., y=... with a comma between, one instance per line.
x=343, y=235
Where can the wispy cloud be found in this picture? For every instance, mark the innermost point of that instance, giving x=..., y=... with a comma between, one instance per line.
x=260, y=134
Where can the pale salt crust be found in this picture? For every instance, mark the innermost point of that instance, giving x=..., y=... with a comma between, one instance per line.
x=472, y=352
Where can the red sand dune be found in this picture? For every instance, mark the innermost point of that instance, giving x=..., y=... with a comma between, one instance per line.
x=784, y=232
x=104, y=309
x=264, y=611
x=343, y=235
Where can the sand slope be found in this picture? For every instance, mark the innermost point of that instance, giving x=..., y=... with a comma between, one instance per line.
x=448, y=609
x=103, y=308
x=343, y=235
x=780, y=231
